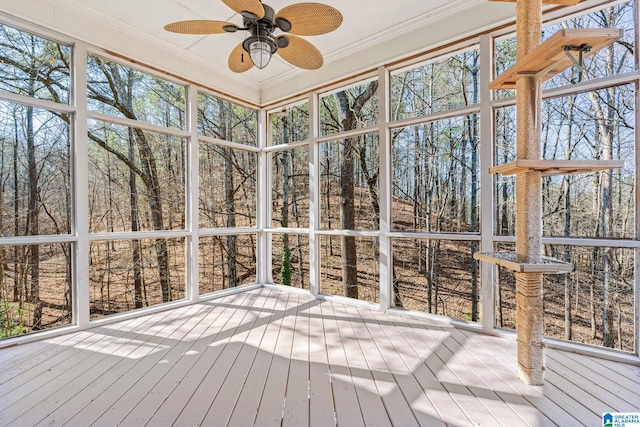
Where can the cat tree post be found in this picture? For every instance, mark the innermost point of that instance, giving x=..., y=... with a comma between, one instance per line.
x=529, y=312
x=537, y=62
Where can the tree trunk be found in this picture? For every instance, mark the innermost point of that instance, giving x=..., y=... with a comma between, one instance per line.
x=435, y=272
x=567, y=226
x=33, y=214
x=33, y=221
x=123, y=100
x=429, y=260
x=231, y=244
x=592, y=303
x=605, y=122
x=370, y=179
x=285, y=268
x=296, y=215
x=347, y=219
x=150, y=171
x=417, y=178
x=327, y=193
x=17, y=289
x=348, y=114
x=136, y=253
x=232, y=241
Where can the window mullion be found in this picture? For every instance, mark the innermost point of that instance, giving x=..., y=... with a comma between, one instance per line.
x=81, y=295
x=487, y=199
x=193, y=185
x=314, y=196
x=384, y=140
x=263, y=197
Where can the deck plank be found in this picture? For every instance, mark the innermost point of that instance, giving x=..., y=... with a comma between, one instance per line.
x=296, y=408
x=609, y=392
x=490, y=371
x=372, y=407
x=505, y=357
x=174, y=365
x=345, y=397
x=39, y=382
x=39, y=361
x=271, y=407
x=583, y=398
x=205, y=381
x=115, y=377
x=111, y=395
x=423, y=409
x=454, y=379
x=127, y=356
x=246, y=406
x=223, y=404
x=397, y=407
x=630, y=371
x=418, y=358
x=567, y=400
x=271, y=357
x=20, y=353
x=481, y=381
x=321, y=407
x=591, y=367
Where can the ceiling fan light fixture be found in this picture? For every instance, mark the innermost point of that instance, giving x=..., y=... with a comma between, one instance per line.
x=260, y=53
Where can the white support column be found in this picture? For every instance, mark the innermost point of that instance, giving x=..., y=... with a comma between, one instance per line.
x=487, y=184
x=268, y=212
x=193, y=186
x=263, y=199
x=384, y=138
x=636, y=294
x=636, y=274
x=81, y=295
x=314, y=194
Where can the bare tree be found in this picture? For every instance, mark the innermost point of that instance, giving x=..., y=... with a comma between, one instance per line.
x=348, y=113
x=116, y=91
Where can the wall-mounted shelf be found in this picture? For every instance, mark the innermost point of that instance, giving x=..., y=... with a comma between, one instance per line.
x=559, y=2
x=550, y=58
x=556, y=167
x=509, y=261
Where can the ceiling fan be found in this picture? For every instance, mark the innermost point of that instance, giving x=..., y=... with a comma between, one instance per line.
x=260, y=20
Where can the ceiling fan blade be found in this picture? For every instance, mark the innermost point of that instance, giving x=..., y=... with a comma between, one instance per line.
x=301, y=53
x=310, y=19
x=200, y=27
x=251, y=6
x=239, y=60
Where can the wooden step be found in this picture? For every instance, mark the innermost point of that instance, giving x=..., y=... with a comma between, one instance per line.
x=550, y=58
x=556, y=167
x=509, y=261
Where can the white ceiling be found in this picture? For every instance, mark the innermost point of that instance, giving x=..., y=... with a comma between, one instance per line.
x=363, y=23
x=373, y=32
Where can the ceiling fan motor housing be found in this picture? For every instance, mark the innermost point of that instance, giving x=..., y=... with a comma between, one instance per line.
x=260, y=29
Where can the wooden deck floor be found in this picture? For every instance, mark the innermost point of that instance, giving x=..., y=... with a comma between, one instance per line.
x=268, y=357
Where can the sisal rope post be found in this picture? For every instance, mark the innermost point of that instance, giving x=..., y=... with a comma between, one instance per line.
x=529, y=311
